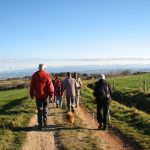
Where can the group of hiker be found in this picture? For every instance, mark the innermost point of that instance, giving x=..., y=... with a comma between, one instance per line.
x=43, y=87
x=46, y=90
x=72, y=85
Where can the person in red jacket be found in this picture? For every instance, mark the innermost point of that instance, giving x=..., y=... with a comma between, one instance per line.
x=41, y=88
x=58, y=86
x=54, y=83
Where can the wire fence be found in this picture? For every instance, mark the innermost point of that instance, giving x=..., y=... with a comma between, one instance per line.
x=139, y=85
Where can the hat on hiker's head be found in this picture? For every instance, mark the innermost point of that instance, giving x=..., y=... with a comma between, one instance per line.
x=41, y=66
x=102, y=76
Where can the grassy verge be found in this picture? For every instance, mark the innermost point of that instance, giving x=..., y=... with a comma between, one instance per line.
x=130, y=122
x=136, y=99
x=16, y=110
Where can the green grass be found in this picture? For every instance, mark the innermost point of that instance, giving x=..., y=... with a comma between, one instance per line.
x=132, y=82
x=129, y=90
x=130, y=122
x=16, y=110
x=11, y=95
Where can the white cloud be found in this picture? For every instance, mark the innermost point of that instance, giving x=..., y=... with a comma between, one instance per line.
x=10, y=64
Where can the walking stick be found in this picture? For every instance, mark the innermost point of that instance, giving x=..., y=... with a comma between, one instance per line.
x=109, y=118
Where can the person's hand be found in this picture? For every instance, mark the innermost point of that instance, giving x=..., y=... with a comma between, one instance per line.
x=51, y=100
x=32, y=97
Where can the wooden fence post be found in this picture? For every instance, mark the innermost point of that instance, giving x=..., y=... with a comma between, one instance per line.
x=113, y=84
x=145, y=87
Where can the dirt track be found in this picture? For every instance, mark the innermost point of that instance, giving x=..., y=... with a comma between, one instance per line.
x=40, y=140
x=46, y=139
x=109, y=140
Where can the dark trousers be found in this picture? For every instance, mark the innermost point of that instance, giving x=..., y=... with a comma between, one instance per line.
x=102, y=113
x=42, y=110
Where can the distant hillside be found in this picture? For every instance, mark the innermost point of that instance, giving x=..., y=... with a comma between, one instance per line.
x=82, y=69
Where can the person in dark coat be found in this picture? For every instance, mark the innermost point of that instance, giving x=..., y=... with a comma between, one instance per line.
x=102, y=93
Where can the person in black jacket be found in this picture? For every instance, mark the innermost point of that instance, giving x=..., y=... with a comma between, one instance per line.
x=102, y=92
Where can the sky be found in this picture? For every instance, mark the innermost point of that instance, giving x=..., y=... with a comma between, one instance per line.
x=32, y=30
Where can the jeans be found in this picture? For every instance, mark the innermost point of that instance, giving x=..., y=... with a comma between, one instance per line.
x=70, y=103
x=42, y=107
x=58, y=101
x=76, y=100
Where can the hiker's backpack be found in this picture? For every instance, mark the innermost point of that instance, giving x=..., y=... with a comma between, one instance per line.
x=103, y=91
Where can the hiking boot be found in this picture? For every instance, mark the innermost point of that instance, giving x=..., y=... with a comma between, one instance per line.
x=45, y=124
x=39, y=127
x=100, y=126
x=104, y=128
